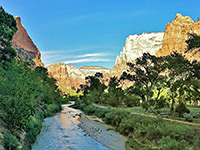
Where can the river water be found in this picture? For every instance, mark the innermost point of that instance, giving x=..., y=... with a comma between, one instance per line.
x=62, y=132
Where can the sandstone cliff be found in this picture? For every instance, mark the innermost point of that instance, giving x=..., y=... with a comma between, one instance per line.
x=70, y=77
x=176, y=33
x=24, y=45
x=134, y=47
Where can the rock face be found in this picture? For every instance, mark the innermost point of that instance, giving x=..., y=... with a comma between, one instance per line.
x=176, y=33
x=70, y=77
x=134, y=47
x=24, y=45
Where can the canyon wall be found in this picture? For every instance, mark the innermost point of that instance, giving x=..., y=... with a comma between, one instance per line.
x=135, y=46
x=176, y=33
x=24, y=45
x=70, y=77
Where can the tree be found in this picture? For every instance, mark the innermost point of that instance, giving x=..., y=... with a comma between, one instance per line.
x=193, y=43
x=93, y=88
x=115, y=92
x=179, y=76
x=7, y=30
x=146, y=73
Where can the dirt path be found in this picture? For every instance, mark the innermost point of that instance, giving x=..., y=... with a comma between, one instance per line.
x=167, y=119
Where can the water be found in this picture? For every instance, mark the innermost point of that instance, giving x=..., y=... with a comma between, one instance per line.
x=61, y=132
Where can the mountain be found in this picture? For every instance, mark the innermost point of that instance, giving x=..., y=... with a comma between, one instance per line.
x=176, y=33
x=24, y=45
x=134, y=47
x=70, y=77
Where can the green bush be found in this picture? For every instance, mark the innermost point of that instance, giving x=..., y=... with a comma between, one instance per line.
x=167, y=143
x=132, y=100
x=10, y=142
x=90, y=110
x=181, y=109
x=115, y=117
x=34, y=128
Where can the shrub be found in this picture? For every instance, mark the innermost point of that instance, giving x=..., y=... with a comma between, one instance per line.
x=34, y=128
x=181, y=109
x=10, y=142
x=132, y=100
x=167, y=143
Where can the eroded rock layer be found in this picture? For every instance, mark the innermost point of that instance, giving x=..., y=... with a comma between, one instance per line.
x=176, y=33
x=70, y=77
x=24, y=45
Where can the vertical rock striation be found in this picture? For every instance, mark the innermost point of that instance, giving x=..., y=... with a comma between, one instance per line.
x=24, y=45
x=176, y=33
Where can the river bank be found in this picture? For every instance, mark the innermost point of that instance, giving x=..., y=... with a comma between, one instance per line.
x=67, y=131
x=101, y=132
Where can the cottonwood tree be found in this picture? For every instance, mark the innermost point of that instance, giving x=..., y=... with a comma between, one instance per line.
x=115, y=93
x=146, y=73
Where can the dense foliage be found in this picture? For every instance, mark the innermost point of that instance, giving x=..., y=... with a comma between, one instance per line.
x=158, y=82
x=27, y=95
x=147, y=132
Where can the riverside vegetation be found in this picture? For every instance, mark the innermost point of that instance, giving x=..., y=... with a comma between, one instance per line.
x=27, y=95
x=164, y=87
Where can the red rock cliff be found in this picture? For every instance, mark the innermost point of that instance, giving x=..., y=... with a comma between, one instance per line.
x=24, y=45
x=176, y=33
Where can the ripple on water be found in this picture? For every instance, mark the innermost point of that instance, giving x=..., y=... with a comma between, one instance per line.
x=62, y=133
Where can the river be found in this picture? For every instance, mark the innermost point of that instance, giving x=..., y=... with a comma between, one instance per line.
x=63, y=132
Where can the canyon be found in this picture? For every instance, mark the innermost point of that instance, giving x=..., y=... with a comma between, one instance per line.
x=159, y=44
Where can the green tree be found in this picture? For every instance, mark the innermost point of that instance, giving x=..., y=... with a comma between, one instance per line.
x=179, y=78
x=94, y=88
x=7, y=30
x=115, y=92
x=146, y=73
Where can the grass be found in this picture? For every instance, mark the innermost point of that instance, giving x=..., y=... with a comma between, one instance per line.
x=67, y=91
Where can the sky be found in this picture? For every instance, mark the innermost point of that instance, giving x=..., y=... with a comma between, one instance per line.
x=93, y=32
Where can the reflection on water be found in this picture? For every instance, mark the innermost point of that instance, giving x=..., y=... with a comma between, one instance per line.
x=61, y=132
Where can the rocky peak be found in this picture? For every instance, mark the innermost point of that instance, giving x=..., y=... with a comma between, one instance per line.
x=24, y=45
x=136, y=45
x=183, y=20
x=176, y=33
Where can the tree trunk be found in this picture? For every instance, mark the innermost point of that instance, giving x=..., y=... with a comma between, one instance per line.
x=172, y=107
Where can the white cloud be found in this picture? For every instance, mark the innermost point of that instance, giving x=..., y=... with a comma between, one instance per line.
x=86, y=60
x=92, y=55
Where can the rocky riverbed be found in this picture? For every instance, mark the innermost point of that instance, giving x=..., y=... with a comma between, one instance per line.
x=68, y=131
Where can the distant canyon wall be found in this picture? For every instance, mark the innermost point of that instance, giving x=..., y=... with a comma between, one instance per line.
x=70, y=77
x=159, y=44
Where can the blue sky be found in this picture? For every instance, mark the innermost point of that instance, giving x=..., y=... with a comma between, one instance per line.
x=93, y=32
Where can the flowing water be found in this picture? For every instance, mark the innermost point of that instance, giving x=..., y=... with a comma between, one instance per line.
x=62, y=132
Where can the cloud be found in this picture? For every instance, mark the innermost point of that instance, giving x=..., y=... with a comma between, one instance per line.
x=86, y=60
x=76, y=55
x=92, y=55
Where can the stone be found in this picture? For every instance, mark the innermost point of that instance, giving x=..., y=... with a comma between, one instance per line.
x=70, y=77
x=24, y=45
x=134, y=47
x=176, y=33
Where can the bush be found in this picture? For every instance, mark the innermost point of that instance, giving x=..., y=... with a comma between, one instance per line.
x=34, y=128
x=167, y=143
x=132, y=100
x=10, y=142
x=181, y=109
